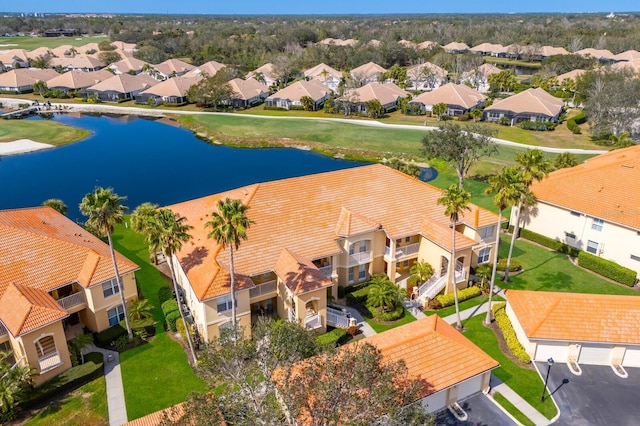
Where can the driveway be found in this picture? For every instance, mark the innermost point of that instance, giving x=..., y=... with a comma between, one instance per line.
x=597, y=397
x=481, y=412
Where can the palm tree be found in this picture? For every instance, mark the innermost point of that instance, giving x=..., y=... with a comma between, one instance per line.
x=484, y=273
x=105, y=210
x=168, y=231
x=420, y=273
x=139, y=221
x=383, y=294
x=456, y=200
x=532, y=166
x=56, y=204
x=509, y=189
x=229, y=226
x=14, y=381
x=140, y=310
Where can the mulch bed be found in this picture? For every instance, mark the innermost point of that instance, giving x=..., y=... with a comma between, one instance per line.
x=502, y=344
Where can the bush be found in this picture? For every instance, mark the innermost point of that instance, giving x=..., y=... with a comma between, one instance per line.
x=341, y=292
x=358, y=296
x=607, y=268
x=556, y=245
x=172, y=317
x=105, y=337
x=148, y=325
x=573, y=126
x=508, y=333
x=389, y=316
x=332, y=338
x=464, y=294
x=165, y=293
x=169, y=306
x=537, y=125
x=513, y=266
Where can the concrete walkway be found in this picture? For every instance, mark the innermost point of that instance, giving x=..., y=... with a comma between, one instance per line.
x=360, y=322
x=115, y=391
x=522, y=405
x=472, y=312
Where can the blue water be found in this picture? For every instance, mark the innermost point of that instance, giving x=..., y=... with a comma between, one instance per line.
x=144, y=160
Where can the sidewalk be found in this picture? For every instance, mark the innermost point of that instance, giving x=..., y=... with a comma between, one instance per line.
x=522, y=405
x=472, y=312
x=115, y=391
x=362, y=324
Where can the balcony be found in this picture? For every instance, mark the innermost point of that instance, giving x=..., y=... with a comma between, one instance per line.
x=49, y=362
x=360, y=258
x=313, y=322
x=263, y=289
x=71, y=301
x=326, y=270
x=402, y=251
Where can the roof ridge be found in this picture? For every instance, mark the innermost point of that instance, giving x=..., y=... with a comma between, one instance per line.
x=544, y=316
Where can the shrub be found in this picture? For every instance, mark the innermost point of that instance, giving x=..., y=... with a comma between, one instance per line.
x=358, y=296
x=573, y=126
x=556, y=245
x=341, y=292
x=607, y=268
x=580, y=118
x=513, y=266
x=148, y=325
x=181, y=330
x=105, y=337
x=508, y=333
x=172, y=317
x=169, y=306
x=537, y=125
x=332, y=338
x=381, y=315
x=464, y=294
x=165, y=293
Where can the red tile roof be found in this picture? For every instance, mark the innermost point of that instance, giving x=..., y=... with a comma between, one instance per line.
x=24, y=309
x=298, y=274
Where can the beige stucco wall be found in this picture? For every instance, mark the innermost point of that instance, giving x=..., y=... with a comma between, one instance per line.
x=28, y=343
x=320, y=298
x=210, y=319
x=529, y=346
x=95, y=316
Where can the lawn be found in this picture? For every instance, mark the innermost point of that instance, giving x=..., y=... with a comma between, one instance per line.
x=379, y=328
x=85, y=406
x=30, y=43
x=525, y=382
x=471, y=303
x=507, y=405
x=547, y=270
x=40, y=131
x=155, y=375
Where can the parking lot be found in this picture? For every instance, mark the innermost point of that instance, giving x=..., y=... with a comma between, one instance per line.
x=481, y=412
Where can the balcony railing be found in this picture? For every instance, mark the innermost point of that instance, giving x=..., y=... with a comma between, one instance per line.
x=402, y=251
x=49, y=362
x=313, y=322
x=326, y=270
x=337, y=318
x=73, y=300
x=262, y=289
x=292, y=317
x=360, y=258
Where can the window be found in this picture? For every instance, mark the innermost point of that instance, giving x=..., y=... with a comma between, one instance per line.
x=115, y=315
x=362, y=272
x=570, y=236
x=483, y=255
x=487, y=232
x=363, y=246
x=110, y=288
x=351, y=274
x=575, y=214
x=352, y=248
x=407, y=239
x=592, y=247
x=45, y=346
x=405, y=264
x=596, y=225
x=224, y=303
x=636, y=258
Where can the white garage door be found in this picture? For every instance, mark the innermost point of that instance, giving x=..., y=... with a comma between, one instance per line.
x=631, y=357
x=435, y=402
x=595, y=355
x=469, y=387
x=558, y=351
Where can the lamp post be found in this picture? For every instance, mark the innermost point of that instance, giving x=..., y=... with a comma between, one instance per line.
x=546, y=380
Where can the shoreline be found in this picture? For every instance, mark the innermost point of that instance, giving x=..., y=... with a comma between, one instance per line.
x=22, y=146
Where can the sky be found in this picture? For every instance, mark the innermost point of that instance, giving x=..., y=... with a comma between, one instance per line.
x=304, y=7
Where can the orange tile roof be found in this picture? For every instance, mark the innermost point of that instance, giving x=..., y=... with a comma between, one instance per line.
x=302, y=214
x=172, y=414
x=24, y=309
x=602, y=187
x=577, y=317
x=42, y=249
x=298, y=274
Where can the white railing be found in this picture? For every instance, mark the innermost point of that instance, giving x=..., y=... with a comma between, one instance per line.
x=434, y=288
x=337, y=318
x=423, y=288
x=3, y=330
x=49, y=362
x=402, y=251
x=437, y=282
x=312, y=322
x=360, y=258
x=292, y=317
x=326, y=270
x=73, y=300
x=262, y=289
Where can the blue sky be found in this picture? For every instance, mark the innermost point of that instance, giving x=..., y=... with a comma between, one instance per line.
x=235, y=7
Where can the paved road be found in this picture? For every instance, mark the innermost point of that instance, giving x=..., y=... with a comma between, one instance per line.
x=367, y=123
x=481, y=411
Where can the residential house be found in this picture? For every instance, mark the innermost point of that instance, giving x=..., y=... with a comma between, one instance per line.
x=627, y=55
x=289, y=97
x=373, y=43
x=121, y=87
x=75, y=82
x=55, y=279
x=325, y=74
x=13, y=59
x=209, y=68
x=248, y=93
x=128, y=65
x=367, y=73
x=172, y=68
x=408, y=44
x=45, y=52
x=314, y=233
x=338, y=42
x=633, y=66
x=545, y=52
x=455, y=47
x=76, y=62
x=171, y=92
x=488, y=49
x=388, y=95
x=426, y=76
x=530, y=105
x=591, y=329
x=458, y=98
x=427, y=45
x=21, y=80
x=593, y=206
x=265, y=74
x=125, y=47
x=602, y=55
x=571, y=75
x=479, y=77
x=89, y=49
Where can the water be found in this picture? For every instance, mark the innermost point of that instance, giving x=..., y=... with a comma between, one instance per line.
x=144, y=160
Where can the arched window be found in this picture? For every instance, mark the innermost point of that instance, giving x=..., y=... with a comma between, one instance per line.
x=45, y=346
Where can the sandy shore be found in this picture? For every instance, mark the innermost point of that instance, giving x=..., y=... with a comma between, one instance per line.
x=22, y=145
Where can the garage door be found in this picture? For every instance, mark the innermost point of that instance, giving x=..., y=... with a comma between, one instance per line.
x=595, y=355
x=469, y=387
x=557, y=351
x=631, y=357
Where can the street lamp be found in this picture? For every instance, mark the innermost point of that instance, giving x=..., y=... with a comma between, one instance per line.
x=546, y=380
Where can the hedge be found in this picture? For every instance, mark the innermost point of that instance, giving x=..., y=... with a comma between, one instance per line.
x=607, y=268
x=332, y=338
x=394, y=315
x=105, y=337
x=169, y=306
x=67, y=380
x=172, y=317
x=513, y=266
x=464, y=294
x=504, y=323
x=573, y=123
x=164, y=293
x=556, y=245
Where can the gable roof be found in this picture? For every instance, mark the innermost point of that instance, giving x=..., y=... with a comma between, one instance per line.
x=455, y=46
x=596, y=53
x=367, y=70
x=570, y=75
x=77, y=79
x=427, y=44
x=451, y=94
x=319, y=71
x=632, y=65
x=266, y=70
x=300, y=275
x=24, y=309
x=416, y=72
x=76, y=61
x=176, y=86
x=210, y=68
x=384, y=93
x=627, y=55
x=247, y=89
x=488, y=47
x=125, y=83
x=302, y=214
x=532, y=100
x=552, y=51
x=577, y=317
x=127, y=64
x=40, y=51
x=294, y=92
x=602, y=187
x=170, y=66
x=25, y=76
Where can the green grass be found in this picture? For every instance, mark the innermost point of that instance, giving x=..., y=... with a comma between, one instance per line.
x=85, y=406
x=30, y=43
x=515, y=62
x=547, y=270
x=379, y=328
x=40, y=131
x=507, y=405
x=525, y=382
x=471, y=303
x=155, y=375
